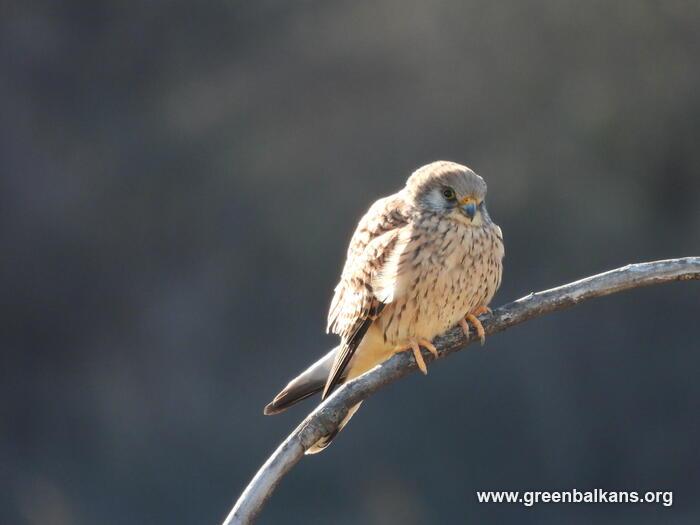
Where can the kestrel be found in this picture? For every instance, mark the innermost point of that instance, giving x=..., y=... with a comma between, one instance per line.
x=421, y=261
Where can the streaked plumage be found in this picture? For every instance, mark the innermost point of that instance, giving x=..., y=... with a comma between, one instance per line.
x=417, y=264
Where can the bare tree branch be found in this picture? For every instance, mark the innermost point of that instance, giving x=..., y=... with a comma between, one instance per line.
x=328, y=414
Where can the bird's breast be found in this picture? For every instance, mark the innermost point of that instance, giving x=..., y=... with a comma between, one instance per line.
x=443, y=278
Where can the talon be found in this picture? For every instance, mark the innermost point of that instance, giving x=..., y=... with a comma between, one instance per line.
x=478, y=326
x=414, y=345
x=471, y=318
x=429, y=346
x=465, y=327
x=483, y=310
x=418, y=357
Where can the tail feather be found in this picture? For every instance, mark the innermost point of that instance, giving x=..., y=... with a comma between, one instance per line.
x=306, y=384
x=326, y=440
x=309, y=382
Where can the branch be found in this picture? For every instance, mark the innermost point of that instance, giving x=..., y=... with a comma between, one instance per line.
x=325, y=418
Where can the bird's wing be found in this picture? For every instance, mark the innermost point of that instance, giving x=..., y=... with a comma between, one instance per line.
x=356, y=303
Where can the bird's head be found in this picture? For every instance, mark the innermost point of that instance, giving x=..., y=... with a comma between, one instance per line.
x=449, y=189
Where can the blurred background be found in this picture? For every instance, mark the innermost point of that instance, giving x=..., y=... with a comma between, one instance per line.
x=179, y=184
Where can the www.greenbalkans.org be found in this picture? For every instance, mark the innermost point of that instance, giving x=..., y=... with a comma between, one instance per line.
x=595, y=496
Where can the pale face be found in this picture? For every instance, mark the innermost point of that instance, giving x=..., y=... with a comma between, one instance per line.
x=458, y=195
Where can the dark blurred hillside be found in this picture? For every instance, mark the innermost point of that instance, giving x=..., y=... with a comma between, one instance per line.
x=179, y=182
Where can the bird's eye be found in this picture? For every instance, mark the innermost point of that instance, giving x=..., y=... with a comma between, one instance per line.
x=449, y=194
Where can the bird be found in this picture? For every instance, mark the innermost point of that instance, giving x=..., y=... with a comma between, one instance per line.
x=421, y=261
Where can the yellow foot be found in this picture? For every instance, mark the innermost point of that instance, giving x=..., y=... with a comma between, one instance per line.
x=428, y=346
x=471, y=317
x=482, y=310
x=414, y=345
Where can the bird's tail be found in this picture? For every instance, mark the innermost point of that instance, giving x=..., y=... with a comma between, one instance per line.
x=306, y=384
x=326, y=440
x=309, y=382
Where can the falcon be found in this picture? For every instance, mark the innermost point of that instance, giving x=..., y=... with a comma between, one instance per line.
x=421, y=261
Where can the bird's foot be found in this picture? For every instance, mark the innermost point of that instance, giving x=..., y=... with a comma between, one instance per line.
x=471, y=318
x=414, y=345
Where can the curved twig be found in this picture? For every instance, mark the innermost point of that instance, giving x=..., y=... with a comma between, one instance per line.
x=328, y=414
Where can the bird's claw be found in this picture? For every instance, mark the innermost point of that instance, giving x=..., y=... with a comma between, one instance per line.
x=471, y=318
x=415, y=345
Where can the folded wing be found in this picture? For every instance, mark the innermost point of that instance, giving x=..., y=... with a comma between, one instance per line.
x=365, y=285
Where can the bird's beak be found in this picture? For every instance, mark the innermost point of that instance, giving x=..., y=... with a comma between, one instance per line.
x=468, y=206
